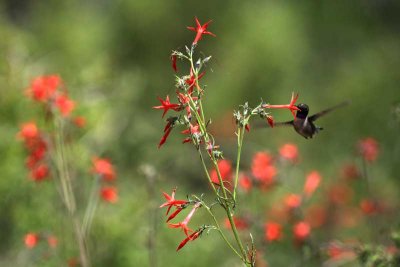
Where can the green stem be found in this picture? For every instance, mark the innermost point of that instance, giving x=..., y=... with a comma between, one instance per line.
x=68, y=194
x=240, y=136
x=207, y=173
x=221, y=232
x=206, y=138
x=91, y=206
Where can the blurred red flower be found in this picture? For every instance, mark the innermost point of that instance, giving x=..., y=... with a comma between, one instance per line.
x=52, y=241
x=313, y=180
x=263, y=168
x=368, y=148
x=39, y=172
x=289, y=152
x=104, y=168
x=43, y=87
x=350, y=172
x=79, y=121
x=225, y=169
x=31, y=239
x=340, y=194
x=245, y=182
x=369, y=207
x=28, y=131
x=316, y=215
x=240, y=223
x=64, y=104
x=292, y=201
x=272, y=231
x=109, y=194
x=301, y=231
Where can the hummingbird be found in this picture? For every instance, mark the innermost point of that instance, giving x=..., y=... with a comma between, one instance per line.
x=304, y=124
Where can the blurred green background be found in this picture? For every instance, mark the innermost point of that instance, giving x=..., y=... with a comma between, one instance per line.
x=114, y=59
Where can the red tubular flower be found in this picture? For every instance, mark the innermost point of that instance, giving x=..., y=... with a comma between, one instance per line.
x=104, y=168
x=192, y=237
x=270, y=120
x=172, y=202
x=31, y=240
x=64, y=104
x=184, y=100
x=200, y=30
x=291, y=106
x=312, y=182
x=167, y=130
x=109, y=194
x=192, y=131
x=176, y=212
x=263, y=168
x=368, y=148
x=173, y=61
x=184, y=223
x=289, y=152
x=301, y=231
x=247, y=127
x=166, y=105
x=43, y=87
x=272, y=231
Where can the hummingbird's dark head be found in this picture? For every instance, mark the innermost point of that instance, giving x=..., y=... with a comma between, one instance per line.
x=303, y=112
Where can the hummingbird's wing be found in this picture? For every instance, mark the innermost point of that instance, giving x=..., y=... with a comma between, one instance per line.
x=324, y=112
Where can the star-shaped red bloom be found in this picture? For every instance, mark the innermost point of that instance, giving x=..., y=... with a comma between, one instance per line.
x=185, y=222
x=171, y=201
x=166, y=105
x=200, y=30
x=191, y=81
x=292, y=105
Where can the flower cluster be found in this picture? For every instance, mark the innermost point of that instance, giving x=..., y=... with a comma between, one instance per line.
x=50, y=91
x=37, y=147
x=180, y=205
x=32, y=239
x=47, y=148
x=105, y=170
